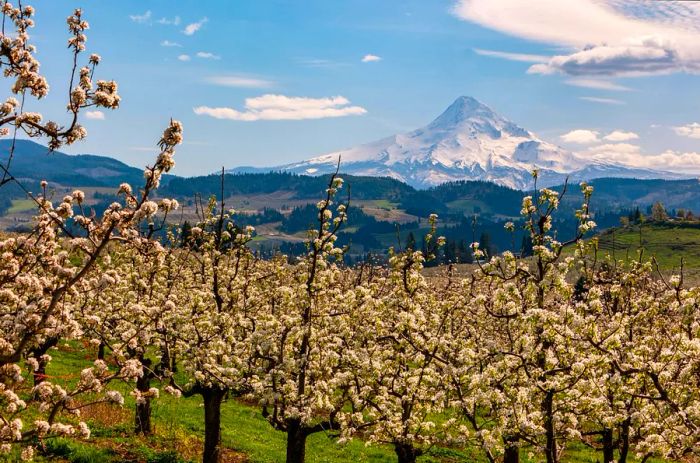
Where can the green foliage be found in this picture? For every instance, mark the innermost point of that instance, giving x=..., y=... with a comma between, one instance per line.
x=75, y=452
x=470, y=194
x=302, y=186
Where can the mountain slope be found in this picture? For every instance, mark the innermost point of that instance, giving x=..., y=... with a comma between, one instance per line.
x=468, y=141
x=33, y=162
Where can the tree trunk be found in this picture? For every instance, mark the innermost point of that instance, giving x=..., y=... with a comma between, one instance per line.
x=551, y=443
x=38, y=353
x=40, y=373
x=624, y=440
x=165, y=360
x=608, y=446
x=142, y=423
x=406, y=452
x=212, y=424
x=142, y=420
x=296, y=442
x=101, y=351
x=511, y=452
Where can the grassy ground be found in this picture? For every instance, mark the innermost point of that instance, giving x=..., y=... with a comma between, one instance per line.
x=178, y=426
x=668, y=243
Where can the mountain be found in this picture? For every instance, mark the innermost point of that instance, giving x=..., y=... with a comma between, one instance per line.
x=468, y=141
x=34, y=162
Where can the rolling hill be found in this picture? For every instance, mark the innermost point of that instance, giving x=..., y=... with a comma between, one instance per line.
x=280, y=204
x=34, y=162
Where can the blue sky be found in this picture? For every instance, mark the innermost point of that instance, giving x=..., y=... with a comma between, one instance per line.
x=608, y=79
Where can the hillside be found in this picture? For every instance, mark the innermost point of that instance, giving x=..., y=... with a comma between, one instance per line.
x=33, y=162
x=667, y=243
x=281, y=204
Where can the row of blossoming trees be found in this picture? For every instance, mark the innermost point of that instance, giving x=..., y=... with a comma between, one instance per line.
x=521, y=356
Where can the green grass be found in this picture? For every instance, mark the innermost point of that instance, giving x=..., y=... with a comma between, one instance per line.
x=668, y=243
x=380, y=204
x=179, y=424
x=21, y=205
x=467, y=206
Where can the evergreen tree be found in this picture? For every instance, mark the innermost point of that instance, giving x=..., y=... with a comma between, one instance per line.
x=486, y=245
x=464, y=254
x=450, y=251
x=411, y=241
x=526, y=246
x=185, y=233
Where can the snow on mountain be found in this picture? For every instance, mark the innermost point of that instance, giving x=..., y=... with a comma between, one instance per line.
x=468, y=141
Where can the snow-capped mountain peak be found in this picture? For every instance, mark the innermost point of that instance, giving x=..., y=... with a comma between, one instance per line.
x=468, y=114
x=468, y=141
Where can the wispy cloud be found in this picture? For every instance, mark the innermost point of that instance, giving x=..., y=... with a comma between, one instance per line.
x=523, y=57
x=595, y=99
x=688, y=130
x=321, y=63
x=207, y=55
x=141, y=18
x=239, y=81
x=597, y=84
x=281, y=107
x=194, y=27
x=168, y=43
x=184, y=57
x=170, y=21
x=371, y=58
x=607, y=38
x=580, y=136
x=95, y=115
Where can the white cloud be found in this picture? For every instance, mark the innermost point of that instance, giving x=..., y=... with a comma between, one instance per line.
x=207, y=55
x=95, y=115
x=595, y=99
x=523, y=57
x=192, y=28
x=168, y=43
x=688, y=130
x=607, y=38
x=170, y=22
x=650, y=56
x=580, y=136
x=239, y=81
x=632, y=155
x=281, y=107
x=184, y=57
x=624, y=153
x=585, y=136
x=597, y=84
x=621, y=135
x=371, y=58
x=141, y=18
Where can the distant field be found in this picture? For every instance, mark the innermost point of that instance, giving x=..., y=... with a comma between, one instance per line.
x=21, y=205
x=668, y=243
x=469, y=206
